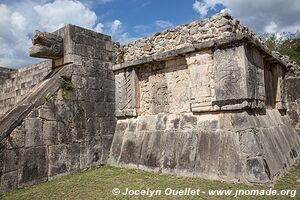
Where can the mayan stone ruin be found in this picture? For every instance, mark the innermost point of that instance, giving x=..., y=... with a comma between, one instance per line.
x=206, y=99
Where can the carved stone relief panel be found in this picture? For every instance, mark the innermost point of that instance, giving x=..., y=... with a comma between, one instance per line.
x=200, y=66
x=281, y=93
x=230, y=74
x=178, y=84
x=255, y=77
x=164, y=87
x=275, y=86
x=126, y=97
x=159, y=93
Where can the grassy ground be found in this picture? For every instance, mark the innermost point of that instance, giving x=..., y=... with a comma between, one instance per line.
x=98, y=183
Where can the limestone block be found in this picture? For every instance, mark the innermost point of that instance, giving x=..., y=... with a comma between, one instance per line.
x=177, y=81
x=58, y=160
x=33, y=128
x=255, y=73
x=132, y=144
x=93, y=152
x=106, y=144
x=258, y=171
x=11, y=160
x=15, y=140
x=70, y=132
x=33, y=167
x=117, y=141
x=188, y=122
x=147, y=123
x=186, y=153
x=64, y=159
x=230, y=163
x=9, y=181
x=170, y=157
x=126, y=93
x=173, y=122
x=47, y=114
x=79, y=81
x=152, y=148
x=207, y=156
x=200, y=70
x=230, y=74
x=293, y=89
x=50, y=133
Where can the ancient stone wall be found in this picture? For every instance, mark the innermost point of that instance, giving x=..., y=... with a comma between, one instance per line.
x=73, y=126
x=240, y=147
x=5, y=73
x=205, y=114
x=212, y=106
x=293, y=99
x=206, y=99
x=216, y=27
x=18, y=82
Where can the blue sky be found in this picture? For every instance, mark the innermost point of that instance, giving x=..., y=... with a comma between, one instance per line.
x=129, y=20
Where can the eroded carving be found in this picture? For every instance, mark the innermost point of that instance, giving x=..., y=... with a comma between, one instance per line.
x=46, y=45
x=126, y=93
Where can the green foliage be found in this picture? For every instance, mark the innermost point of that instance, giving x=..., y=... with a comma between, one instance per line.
x=289, y=47
x=64, y=95
x=65, y=85
x=47, y=97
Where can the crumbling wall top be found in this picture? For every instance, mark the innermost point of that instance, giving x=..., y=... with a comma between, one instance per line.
x=217, y=26
x=216, y=30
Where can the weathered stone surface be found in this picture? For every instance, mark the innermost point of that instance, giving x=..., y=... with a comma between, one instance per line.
x=33, y=167
x=258, y=171
x=229, y=75
x=234, y=147
x=206, y=99
x=59, y=127
x=33, y=128
x=64, y=159
x=126, y=93
x=9, y=181
x=11, y=161
x=46, y=45
x=50, y=133
x=293, y=101
x=16, y=139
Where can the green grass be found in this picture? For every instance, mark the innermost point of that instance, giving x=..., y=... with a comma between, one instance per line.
x=97, y=183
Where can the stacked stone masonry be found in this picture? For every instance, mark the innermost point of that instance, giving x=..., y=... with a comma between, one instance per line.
x=19, y=82
x=293, y=99
x=72, y=128
x=211, y=105
x=206, y=99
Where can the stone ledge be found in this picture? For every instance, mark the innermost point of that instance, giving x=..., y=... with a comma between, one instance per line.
x=33, y=99
x=225, y=42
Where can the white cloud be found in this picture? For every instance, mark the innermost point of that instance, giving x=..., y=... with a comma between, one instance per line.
x=21, y=19
x=99, y=28
x=115, y=26
x=202, y=7
x=164, y=24
x=125, y=38
x=55, y=15
x=14, y=41
x=271, y=27
x=261, y=16
x=118, y=33
x=144, y=4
